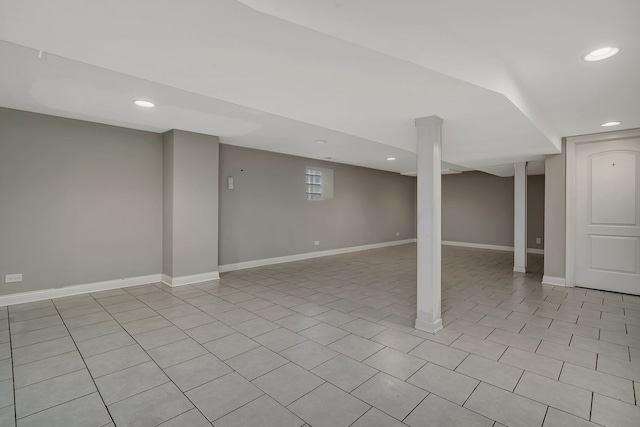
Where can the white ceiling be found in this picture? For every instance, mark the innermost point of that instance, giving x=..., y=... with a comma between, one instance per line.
x=506, y=77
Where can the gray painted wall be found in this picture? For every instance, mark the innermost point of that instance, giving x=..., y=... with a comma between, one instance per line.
x=80, y=202
x=478, y=208
x=554, y=215
x=267, y=216
x=191, y=182
x=535, y=211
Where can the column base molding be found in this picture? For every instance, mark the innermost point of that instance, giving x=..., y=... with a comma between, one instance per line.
x=428, y=326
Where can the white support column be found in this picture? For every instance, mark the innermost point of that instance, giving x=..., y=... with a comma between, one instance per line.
x=429, y=148
x=520, y=220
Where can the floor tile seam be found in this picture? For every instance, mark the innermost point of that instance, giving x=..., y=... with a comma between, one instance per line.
x=60, y=404
x=520, y=379
x=38, y=329
x=591, y=399
x=102, y=310
x=165, y=343
x=618, y=344
x=609, y=373
x=180, y=414
x=457, y=404
x=51, y=378
x=120, y=370
x=48, y=357
x=299, y=397
x=445, y=398
x=29, y=319
x=408, y=414
x=97, y=390
x=76, y=328
x=494, y=385
x=333, y=385
x=40, y=342
x=150, y=330
x=322, y=363
x=595, y=371
x=121, y=323
x=140, y=392
x=154, y=362
x=391, y=375
x=281, y=350
x=124, y=311
x=13, y=368
x=186, y=360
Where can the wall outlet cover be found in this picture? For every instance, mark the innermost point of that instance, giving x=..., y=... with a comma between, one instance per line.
x=317, y=243
x=12, y=278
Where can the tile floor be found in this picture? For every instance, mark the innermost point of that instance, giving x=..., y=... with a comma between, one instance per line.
x=327, y=342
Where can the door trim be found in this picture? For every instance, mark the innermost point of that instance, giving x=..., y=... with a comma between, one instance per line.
x=570, y=194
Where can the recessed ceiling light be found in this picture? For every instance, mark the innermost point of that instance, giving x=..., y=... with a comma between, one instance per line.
x=606, y=125
x=146, y=104
x=600, y=54
x=391, y=158
x=320, y=141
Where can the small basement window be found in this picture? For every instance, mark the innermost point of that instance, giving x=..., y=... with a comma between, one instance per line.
x=319, y=183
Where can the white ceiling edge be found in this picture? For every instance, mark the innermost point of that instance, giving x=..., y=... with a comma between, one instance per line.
x=62, y=87
x=50, y=84
x=534, y=168
x=267, y=64
x=446, y=55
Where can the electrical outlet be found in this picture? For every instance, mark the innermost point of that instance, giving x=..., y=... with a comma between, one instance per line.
x=12, y=278
x=397, y=233
x=538, y=240
x=317, y=243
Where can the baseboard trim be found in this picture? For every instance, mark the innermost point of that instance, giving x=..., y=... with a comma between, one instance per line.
x=32, y=296
x=555, y=281
x=188, y=280
x=299, y=257
x=491, y=247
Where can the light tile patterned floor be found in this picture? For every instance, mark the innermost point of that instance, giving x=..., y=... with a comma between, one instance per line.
x=327, y=342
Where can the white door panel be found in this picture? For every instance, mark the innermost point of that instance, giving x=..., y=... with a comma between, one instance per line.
x=608, y=215
x=613, y=189
x=614, y=253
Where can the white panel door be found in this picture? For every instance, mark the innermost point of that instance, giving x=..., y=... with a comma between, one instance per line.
x=608, y=216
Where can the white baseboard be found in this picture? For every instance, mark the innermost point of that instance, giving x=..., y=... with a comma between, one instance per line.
x=491, y=247
x=555, y=281
x=188, y=280
x=309, y=255
x=31, y=296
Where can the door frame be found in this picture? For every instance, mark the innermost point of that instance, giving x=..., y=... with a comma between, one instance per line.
x=571, y=187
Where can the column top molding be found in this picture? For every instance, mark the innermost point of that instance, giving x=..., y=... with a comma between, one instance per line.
x=429, y=121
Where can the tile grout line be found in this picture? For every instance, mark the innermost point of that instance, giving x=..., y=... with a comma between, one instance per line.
x=84, y=363
x=158, y=366
x=13, y=368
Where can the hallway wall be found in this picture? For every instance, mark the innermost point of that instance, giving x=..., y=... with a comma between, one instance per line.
x=478, y=208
